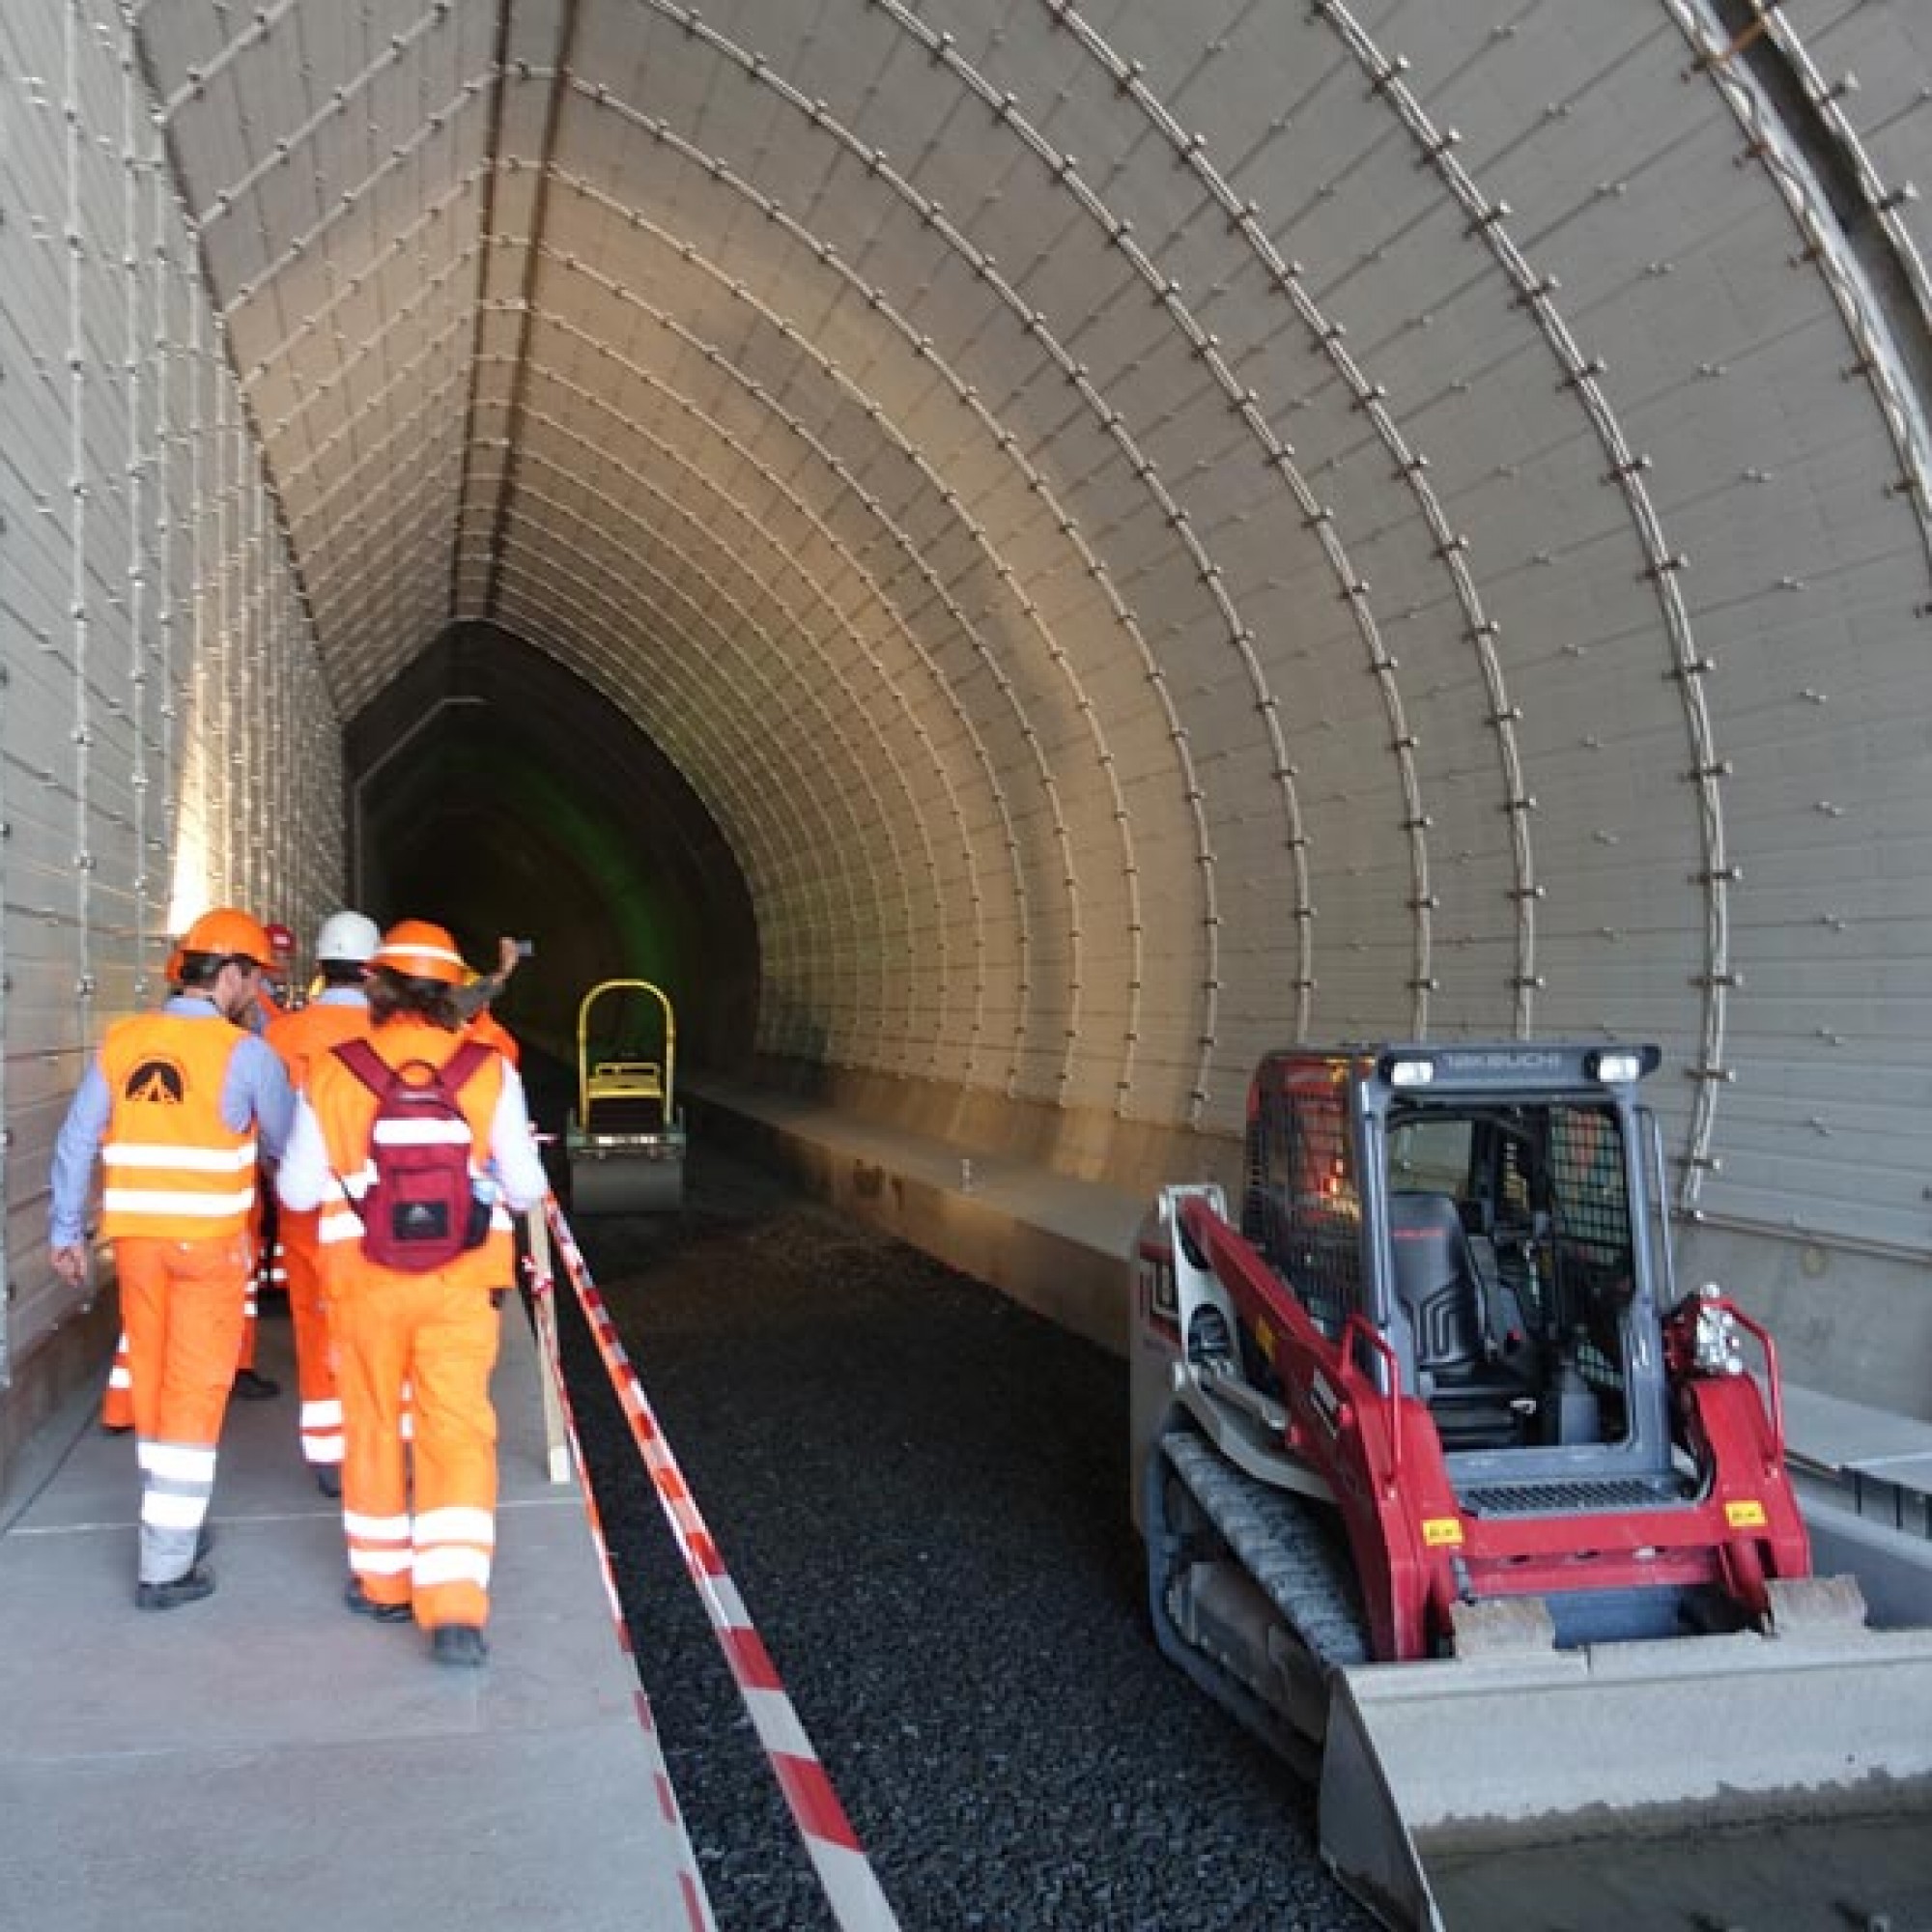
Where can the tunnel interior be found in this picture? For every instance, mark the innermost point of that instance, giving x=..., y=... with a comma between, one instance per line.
x=492, y=790
x=1152, y=533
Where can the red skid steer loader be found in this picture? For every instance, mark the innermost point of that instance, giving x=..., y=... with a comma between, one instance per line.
x=1451, y=1499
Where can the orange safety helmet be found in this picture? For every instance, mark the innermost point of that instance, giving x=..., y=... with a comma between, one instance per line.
x=419, y=951
x=229, y=934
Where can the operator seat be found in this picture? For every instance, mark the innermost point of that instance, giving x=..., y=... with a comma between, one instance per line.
x=1435, y=1281
x=1440, y=1288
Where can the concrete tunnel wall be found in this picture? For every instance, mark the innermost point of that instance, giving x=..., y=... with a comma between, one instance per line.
x=1142, y=532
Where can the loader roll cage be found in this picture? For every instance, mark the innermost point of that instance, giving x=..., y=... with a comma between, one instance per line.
x=1494, y=1222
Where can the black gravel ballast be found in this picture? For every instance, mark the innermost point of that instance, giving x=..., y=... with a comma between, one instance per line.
x=921, y=1491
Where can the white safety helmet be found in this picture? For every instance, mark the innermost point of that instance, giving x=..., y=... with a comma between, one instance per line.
x=347, y=936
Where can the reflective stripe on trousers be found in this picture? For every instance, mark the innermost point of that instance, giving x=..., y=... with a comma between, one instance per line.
x=177, y=1485
x=321, y=1432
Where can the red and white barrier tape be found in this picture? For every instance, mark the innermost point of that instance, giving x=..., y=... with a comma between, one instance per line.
x=851, y=1887
x=690, y=1885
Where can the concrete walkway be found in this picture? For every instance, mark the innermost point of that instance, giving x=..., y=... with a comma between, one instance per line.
x=265, y=1760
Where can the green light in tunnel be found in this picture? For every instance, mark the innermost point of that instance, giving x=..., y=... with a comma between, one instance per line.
x=644, y=922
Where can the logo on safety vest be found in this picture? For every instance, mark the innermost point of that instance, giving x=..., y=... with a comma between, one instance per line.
x=157, y=1082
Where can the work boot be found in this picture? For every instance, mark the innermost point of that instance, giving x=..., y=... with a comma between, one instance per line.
x=190, y=1589
x=364, y=1605
x=458, y=1643
x=327, y=1478
x=250, y=1387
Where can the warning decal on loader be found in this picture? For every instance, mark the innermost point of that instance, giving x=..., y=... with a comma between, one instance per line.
x=1441, y=1531
x=1744, y=1515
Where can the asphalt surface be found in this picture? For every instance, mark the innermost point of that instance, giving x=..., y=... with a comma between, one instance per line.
x=921, y=1491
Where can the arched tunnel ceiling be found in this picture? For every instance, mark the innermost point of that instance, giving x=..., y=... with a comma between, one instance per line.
x=1152, y=530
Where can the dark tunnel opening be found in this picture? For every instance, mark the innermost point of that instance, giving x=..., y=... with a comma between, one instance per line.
x=495, y=792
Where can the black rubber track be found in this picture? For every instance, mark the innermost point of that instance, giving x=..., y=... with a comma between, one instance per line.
x=921, y=1491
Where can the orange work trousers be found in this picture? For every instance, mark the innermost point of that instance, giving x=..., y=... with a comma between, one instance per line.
x=117, y=1403
x=183, y=1303
x=258, y=1263
x=117, y=1399
x=321, y=1422
x=417, y=1347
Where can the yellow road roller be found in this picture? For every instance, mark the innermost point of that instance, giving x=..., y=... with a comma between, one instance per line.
x=625, y=1140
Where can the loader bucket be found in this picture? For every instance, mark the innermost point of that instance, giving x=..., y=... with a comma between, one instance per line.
x=1771, y=1783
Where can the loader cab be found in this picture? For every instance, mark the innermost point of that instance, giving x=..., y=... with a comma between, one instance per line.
x=1486, y=1209
x=1511, y=1264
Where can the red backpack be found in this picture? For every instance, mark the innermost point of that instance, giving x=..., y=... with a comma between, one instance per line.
x=420, y=1211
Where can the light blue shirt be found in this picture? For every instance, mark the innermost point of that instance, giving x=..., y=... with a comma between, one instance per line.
x=255, y=1091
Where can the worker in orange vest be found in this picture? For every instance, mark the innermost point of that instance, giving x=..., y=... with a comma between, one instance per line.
x=434, y=1330
x=484, y=1025
x=117, y=1399
x=181, y=1105
x=480, y=988
x=344, y=945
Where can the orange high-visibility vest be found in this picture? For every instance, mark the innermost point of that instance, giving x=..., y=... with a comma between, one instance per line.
x=345, y=1109
x=300, y=1038
x=303, y=1037
x=484, y=1025
x=172, y=1170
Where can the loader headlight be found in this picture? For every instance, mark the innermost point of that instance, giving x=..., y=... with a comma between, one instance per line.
x=1621, y=1065
x=1717, y=1347
x=1411, y=1070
